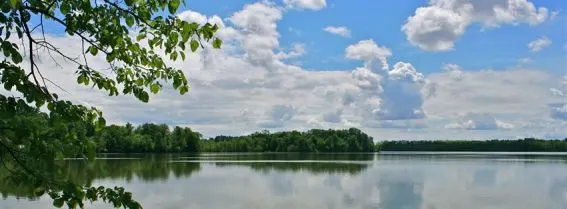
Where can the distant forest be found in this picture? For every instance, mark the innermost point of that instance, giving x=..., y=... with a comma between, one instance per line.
x=159, y=138
x=521, y=145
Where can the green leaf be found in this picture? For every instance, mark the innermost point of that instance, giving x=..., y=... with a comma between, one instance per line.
x=39, y=191
x=81, y=79
x=19, y=32
x=93, y=50
x=14, y=3
x=129, y=2
x=16, y=57
x=217, y=43
x=183, y=90
x=65, y=8
x=101, y=122
x=140, y=36
x=194, y=45
x=130, y=20
x=58, y=203
x=6, y=48
x=140, y=82
x=50, y=106
x=144, y=96
x=176, y=82
x=155, y=88
x=173, y=5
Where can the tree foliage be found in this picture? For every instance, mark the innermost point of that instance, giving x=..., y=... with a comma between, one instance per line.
x=315, y=140
x=136, y=37
x=520, y=145
x=146, y=138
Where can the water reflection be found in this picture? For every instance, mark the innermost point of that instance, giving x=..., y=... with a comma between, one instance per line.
x=400, y=189
x=313, y=181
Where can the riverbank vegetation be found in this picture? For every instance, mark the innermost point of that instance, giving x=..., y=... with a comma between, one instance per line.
x=158, y=138
x=520, y=145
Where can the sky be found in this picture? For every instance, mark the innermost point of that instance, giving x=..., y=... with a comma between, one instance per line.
x=398, y=70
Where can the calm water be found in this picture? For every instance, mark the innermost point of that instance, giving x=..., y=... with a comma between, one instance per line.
x=309, y=181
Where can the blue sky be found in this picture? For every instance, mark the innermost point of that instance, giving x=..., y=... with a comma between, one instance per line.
x=500, y=47
x=438, y=69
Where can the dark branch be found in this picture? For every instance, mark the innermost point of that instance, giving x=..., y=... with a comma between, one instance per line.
x=47, y=14
x=30, y=42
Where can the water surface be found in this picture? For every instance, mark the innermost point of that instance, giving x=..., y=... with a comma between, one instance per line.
x=315, y=181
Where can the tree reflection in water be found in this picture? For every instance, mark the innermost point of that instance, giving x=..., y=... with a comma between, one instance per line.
x=161, y=167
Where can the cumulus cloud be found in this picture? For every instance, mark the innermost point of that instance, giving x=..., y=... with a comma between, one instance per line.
x=298, y=49
x=306, y=4
x=278, y=115
x=439, y=25
x=539, y=44
x=338, y=30
x=259, y=36
x=246, y=86
x=401, y=97
x=454, y=70
x=480, y=122
x=490, y=100
x=384, y=94
x=368, y=50
x=490, y=91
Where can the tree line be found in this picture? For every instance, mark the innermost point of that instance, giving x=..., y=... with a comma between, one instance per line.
x=314, y=140
x=160, y=138
x=520, y=145
x=154, y=138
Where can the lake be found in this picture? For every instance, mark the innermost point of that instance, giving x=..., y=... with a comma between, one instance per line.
x=391, y=180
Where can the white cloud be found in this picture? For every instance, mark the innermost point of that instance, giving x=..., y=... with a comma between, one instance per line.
x=454, y=70
x=434, y=28
x=439, y=25
x=298, y=49
x=338, y=30
x=278, y=115
x=306, y=4
x=367, y=50
x=246, y=86
x=539, y=44
x=259, y=36
x=503, y=98
x=480, y=122
x=383, y=93
x=556, y=92
x=192, y=16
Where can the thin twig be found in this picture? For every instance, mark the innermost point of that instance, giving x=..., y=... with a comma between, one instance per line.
x=28, y=34
x=84, y=53
x=64, y=24
x=61, y=88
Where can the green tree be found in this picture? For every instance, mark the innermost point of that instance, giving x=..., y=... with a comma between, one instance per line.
x=315, y=140
x=31, y=151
